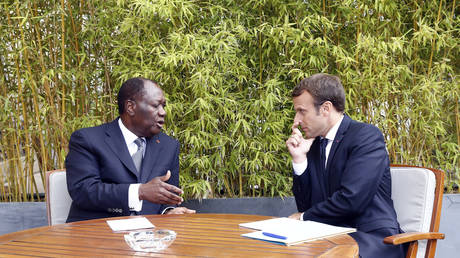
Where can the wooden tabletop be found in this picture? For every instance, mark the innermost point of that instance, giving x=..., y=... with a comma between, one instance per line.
x=205, y=235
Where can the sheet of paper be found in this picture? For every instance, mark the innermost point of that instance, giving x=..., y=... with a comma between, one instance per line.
x=268, y=223
x=129, y=224
x=295, y=231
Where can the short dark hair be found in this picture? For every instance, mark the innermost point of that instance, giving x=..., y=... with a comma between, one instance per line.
x=322, y=87
x=130, y=89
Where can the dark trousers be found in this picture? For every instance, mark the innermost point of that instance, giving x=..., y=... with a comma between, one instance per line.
x=371, y=244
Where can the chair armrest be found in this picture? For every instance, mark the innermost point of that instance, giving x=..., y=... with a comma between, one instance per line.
x=411, y=236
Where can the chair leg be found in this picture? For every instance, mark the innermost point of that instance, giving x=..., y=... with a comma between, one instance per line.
x=431, y=248
x=412, y=250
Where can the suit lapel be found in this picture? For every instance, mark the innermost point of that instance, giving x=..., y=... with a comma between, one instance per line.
x=114, y=138
x=153, y=147
x=337, y=140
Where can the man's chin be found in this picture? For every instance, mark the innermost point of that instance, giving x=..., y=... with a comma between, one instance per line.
x=308, y=136
x=153, y=132
x=156, y=131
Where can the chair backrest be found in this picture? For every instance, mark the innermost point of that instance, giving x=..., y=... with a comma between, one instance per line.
x=417, y=197
x=58, y=200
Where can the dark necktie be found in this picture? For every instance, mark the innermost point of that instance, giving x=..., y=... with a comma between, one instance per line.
x=322, y=152
x=138, y=155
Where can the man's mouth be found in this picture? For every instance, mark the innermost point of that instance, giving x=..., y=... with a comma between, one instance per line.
x=161, y=123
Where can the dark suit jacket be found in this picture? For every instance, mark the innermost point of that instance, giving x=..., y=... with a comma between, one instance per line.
x=355, y=190
x=100, y=170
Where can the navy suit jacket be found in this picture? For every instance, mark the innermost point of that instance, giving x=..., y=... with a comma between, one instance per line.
x=100, y=170
x=355, y=189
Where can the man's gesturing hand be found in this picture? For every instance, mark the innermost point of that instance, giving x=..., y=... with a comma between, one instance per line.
x=157, y=191
x=297, y=145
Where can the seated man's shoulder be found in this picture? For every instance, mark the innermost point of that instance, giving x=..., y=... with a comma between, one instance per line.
x=363, y=127
x=164, y=138
x=94, y=131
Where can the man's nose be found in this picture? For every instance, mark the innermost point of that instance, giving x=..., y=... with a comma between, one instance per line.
x=161, y=111
x=297, y=117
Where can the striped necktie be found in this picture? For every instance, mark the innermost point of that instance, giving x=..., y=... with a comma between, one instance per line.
x=138, y=155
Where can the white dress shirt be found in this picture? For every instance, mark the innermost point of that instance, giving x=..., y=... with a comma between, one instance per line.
x=134, y=203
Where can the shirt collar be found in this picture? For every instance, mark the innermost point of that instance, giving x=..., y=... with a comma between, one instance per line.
x=333, y=131
x=129, y=136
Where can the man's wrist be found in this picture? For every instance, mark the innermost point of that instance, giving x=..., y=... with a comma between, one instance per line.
x=299, y=168
x=167, y=209
x=134, y=203
x=299, y=160
x=141, y=192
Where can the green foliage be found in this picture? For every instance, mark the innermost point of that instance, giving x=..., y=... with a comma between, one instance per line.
x=227, y=68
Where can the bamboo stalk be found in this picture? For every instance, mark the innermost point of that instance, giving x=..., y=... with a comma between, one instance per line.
x=55, y=81
x=434, y=40
x=63, y=70
x=21, y=106
x=457, y=122
x=453, y=10
x=44, y=154
x=36, y=111
x=415, y=46
x=76, y=48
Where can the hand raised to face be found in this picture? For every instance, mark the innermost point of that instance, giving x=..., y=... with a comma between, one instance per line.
x=297, y=145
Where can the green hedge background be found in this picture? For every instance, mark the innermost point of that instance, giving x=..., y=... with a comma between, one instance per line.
x=227, y=68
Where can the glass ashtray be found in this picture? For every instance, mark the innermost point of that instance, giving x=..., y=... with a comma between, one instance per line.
x=150, y=241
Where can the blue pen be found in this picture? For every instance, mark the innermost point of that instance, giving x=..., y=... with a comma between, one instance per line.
x=274, y=235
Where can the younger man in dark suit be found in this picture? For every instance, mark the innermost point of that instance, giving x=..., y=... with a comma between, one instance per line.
x=341, y=167
x=127, y=166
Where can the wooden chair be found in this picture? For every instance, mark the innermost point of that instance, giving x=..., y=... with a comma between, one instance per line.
x=58, y=200
x=417, y=197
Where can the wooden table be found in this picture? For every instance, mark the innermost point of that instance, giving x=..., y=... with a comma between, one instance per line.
x=205, y=235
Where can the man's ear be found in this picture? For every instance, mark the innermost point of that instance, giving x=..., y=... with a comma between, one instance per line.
x=129, y=107
x=326, y=107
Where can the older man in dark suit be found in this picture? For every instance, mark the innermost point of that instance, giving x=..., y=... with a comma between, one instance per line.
x=341, y=167
x=127, y=166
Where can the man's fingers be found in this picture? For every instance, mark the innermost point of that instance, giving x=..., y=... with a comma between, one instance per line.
x=295, y=125
x=295, y=216
x=295, y=139
x=170, y=198
x=189, y=211
x=292, y=141
x=166, y=177
x=297, y=132
x=181, y=210
x=172, y=188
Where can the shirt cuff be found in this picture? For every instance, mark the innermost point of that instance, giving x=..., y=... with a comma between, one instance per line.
x=301, y=216
x=167, y=209
x=299, y=168
x=134, y=203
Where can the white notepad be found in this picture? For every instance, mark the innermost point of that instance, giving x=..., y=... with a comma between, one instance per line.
x=294, y=231
x=129, y=224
